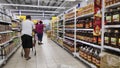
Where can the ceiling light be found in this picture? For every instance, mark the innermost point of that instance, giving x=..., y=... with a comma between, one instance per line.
x=70, y=0
x=21, y=5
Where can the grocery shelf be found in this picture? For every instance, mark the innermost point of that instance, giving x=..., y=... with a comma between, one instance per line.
x=60, y=26
x=112, y=26
x=2, y=61
x=1, y=21
x=69, y=38
x=60, y=37
x=85, y=29
x=5, y=32
x=8, y=41
x=60, y=31
x=90, y=64
x=15, y=28
x=112, y=48
x=14, y=50
x=89, y=44
x=113, y=5
x=86, y=15
x=69, y=29
x=70, y=19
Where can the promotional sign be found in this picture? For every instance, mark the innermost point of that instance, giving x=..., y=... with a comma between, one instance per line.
x=97, y=17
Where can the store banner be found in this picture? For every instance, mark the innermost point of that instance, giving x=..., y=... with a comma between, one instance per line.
x=97, y=17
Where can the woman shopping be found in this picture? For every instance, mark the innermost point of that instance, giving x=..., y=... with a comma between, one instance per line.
x=39, y=30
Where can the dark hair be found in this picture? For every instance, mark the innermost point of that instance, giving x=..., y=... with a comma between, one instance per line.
x=40, y=22
x=28, y=17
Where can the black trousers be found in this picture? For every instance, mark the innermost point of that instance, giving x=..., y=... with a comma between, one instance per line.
x=26, y=41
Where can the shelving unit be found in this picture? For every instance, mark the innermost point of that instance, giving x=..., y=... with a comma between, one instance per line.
x=100, y=46
x=112, y=48
x=5, y=32
x=111, y=26
x=86, y=15
x=89, y=44
x=113, y=5
x=10, y=40
x=85, y=29
x=69, y=38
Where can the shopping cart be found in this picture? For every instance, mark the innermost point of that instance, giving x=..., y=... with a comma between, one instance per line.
x=33, y=48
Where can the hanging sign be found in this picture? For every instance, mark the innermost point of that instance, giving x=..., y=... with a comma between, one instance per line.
x=97, y=17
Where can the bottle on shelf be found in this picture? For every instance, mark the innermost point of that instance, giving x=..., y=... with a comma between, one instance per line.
x=97, y=52
x=108, y=17
x=91, y=23
x=107, y=38
x=87, y=23
x=99, y=40
x=114, y=37
x=116, y=16
x=90, y=55
x=81, y=51
x=91, y=37
x=95, y=39
x=93, y=56
x=118, y=40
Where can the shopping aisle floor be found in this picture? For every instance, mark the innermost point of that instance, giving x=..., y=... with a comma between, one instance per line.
x=49, y=55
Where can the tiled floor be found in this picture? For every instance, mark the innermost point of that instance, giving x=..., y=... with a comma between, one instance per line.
x=49, y=55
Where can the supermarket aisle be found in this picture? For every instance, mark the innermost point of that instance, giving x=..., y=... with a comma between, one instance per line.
x=49, y=55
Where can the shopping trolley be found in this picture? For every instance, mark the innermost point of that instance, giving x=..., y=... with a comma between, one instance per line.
x=33, y=48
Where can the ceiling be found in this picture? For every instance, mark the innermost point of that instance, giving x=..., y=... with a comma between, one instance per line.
x=39, y=8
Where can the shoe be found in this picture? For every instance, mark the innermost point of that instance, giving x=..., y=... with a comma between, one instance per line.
x=28, y=58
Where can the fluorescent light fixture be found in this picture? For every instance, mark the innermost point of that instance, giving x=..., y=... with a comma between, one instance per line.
x=35, y=11
x=33, y=14
x=21, y=5
x=70, y=0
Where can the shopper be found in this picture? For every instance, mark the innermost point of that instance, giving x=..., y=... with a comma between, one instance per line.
x=27, y=28
x=39, y=30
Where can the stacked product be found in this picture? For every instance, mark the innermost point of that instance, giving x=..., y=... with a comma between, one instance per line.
x=69, y=15
x=88, y=36
x=112, y=19
x=69, y=33
x=84, y=23
x=110, y=2
x=69, y=24
x=112, y=38
x=9, y=48
x=90, y=54
x=85, y=10
x=69, y=44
